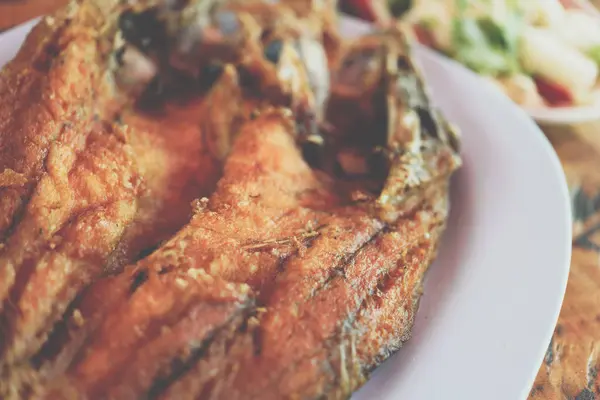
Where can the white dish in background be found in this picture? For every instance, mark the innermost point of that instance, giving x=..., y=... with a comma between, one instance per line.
x=565, y=115
x=543, y=115
x=576, y=114
x=492, y=297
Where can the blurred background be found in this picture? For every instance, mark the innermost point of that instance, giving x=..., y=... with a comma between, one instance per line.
x=543, y=54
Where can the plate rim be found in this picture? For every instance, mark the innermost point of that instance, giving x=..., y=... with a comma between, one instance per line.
x=559, y=177
x=525, y=119
x=558, y=172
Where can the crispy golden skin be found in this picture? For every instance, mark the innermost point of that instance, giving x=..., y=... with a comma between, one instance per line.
x=84, y=190
x=286, y=282
x=322, y=289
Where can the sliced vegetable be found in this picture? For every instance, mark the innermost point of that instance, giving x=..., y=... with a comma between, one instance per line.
x=512, y=41
x=424, y=36
x=547, y=57
x=579, y=30
x=520, y=88
x=555, y=94
x=544, y=13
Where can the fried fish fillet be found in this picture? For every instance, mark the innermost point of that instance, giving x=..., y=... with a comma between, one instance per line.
x=294, y=278
x=87, y=187
x=317, y=285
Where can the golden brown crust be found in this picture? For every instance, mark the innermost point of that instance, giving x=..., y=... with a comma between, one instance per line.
x=283, y=283
x=309, y=296
x=82, y=192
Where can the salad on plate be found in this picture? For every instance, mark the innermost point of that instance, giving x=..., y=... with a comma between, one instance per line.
x=541, y=53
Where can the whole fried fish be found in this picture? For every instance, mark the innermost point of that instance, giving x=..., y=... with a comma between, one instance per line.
x=295, y=277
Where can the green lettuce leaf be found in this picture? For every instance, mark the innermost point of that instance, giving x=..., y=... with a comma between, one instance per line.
x=485, y=45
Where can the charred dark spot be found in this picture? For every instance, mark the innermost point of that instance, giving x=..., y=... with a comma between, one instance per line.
x=165, y=269
x=549, y=357
x=592, y=374
x=128, y=24
x=179, y=87
x=143, y=29
x=428, y=123
x=536, y=389
x=154, y=95
x=54, y=344
x=147, y=251
x=51, y=52
x=160, y=383
x=338, y=171
x=273, y=51
x=119, y=55
x=559, y=330
x=246, y=79
x=586, y=394
x=313, y=152
x=211, y=72
x=585, y=239
x=583, y=205
x=176, y=5
x=266, y=34
x=539, y=387
x=596, y=202
x=138, y=280
x=257, y=342
x=403, y=63
x=378, y=163
x=223, y=335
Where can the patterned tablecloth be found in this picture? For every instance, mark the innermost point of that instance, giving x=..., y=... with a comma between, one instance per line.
x=570, y=368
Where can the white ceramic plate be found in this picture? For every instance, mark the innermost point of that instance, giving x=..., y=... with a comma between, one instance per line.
x=565, y=115
x=493, y=296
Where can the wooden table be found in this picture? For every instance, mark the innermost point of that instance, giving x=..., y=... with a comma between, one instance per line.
x=570, y=368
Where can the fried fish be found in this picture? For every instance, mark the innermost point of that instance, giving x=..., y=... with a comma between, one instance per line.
x=87, y=188
x=301, y=268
